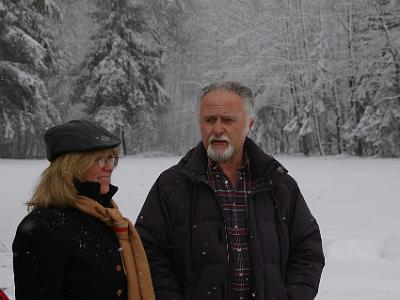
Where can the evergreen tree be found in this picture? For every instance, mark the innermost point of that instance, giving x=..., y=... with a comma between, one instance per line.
x=27, y=58
x=121, y=81
x=379, y=86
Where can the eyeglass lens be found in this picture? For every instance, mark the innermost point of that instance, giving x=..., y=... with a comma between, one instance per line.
x=102, y=161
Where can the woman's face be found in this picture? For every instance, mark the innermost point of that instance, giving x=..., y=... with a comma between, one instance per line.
x=101, y=171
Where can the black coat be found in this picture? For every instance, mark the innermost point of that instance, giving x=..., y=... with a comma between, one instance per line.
x=182, y=228
x=63, y=253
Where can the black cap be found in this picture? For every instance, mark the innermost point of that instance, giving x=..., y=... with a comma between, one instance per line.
x=78, y=136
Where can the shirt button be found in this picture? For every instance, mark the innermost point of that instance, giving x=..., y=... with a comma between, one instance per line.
x=119, y=292
x=118, y=268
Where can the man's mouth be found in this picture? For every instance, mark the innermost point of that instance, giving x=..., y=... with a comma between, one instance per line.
x=221, y=138
x=219, y=142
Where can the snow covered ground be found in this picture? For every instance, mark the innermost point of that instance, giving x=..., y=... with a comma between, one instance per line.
x=355, y=200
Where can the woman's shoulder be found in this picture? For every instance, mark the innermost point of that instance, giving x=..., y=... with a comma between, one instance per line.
x=49, y=214
x=43, y=232
x=44, y=221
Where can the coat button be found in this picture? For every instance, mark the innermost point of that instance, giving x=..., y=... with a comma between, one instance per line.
x=119, y=292
x=118, y=268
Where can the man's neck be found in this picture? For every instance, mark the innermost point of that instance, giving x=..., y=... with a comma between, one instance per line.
x=230, y=166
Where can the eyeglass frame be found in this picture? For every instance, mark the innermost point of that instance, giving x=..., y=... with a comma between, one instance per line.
x=103, y=161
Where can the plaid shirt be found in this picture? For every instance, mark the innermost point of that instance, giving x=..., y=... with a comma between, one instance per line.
x=234, y=206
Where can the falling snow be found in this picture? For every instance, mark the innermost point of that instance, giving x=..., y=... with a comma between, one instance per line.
x=354, y=200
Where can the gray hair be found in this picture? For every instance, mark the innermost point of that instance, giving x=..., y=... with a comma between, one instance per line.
x=236, y=87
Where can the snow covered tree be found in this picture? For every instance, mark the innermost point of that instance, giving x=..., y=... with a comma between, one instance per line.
x=72, y=36
x=379, y=86
x=121, y=81
x=27, y=58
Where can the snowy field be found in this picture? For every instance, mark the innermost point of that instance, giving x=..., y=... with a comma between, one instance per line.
x=355, y=200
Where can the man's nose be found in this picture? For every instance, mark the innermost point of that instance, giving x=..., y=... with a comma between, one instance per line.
x=218, y=128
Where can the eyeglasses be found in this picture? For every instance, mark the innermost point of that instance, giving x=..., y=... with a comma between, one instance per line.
x=102, y=161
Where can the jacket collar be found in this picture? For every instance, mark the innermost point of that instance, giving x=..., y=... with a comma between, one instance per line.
x=92, y=190
x=262, y=165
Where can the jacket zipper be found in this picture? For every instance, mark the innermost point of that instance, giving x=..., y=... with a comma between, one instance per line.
x=226, y=240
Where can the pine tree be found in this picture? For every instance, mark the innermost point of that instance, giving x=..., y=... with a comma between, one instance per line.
x=27, y=58
x=379, y=86
x=121, y=81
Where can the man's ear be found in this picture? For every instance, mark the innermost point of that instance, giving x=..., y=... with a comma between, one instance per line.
x=251, y=123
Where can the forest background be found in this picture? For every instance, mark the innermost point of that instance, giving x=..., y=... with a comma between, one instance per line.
x=325, y=73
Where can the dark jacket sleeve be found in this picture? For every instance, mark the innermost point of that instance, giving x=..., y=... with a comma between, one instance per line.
x=154, y=227
x=38, y=262
x=306, y=258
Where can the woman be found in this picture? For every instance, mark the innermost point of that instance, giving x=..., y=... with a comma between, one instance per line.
x=74, y=244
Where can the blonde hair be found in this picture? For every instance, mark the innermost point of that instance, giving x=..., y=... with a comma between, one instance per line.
x=56, y=186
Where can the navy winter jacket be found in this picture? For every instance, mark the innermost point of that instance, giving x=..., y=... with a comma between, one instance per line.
x=65, y=254
x=182, y=228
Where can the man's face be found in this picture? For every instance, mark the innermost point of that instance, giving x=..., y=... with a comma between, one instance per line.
x=223, y=125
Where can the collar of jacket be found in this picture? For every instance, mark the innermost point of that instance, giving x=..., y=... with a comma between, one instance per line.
x=262, y=165
x=92, y=190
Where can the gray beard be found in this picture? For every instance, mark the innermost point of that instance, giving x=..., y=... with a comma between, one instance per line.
x=220, y=157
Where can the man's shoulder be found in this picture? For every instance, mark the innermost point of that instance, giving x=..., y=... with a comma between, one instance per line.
x=178, y=173
x=170, y=173
x=176, y=169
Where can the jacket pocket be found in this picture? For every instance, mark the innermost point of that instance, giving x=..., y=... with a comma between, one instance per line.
x=210, y=283
x=208, y=246
x=274, y=287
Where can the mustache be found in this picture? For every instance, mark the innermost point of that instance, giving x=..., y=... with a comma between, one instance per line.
x=218, y=138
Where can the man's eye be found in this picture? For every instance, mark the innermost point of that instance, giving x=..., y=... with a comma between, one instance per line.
x=227, y=120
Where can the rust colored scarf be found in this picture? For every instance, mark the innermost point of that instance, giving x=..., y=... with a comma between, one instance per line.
x=140, y=286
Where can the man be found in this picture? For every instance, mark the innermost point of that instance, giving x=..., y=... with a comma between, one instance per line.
x=228, y=222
